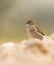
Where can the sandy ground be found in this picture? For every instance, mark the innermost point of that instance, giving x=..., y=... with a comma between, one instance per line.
x=28, y=52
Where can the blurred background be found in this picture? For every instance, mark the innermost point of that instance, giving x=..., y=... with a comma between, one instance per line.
x=14, y=14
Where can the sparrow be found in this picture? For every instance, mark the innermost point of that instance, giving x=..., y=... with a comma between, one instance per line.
x=33, y=31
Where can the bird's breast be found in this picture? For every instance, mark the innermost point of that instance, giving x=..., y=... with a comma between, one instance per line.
x=32, y=32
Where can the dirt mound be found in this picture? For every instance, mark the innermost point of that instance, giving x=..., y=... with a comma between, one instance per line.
x=28, y=52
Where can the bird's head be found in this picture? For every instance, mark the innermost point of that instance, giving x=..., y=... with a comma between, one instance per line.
x=31, y=22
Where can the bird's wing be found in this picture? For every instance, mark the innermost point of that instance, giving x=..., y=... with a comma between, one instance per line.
x=38, y=30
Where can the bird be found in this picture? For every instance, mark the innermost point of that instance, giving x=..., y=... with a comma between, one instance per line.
x=33, y=30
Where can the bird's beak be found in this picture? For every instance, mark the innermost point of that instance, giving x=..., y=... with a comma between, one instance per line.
x=27, y=22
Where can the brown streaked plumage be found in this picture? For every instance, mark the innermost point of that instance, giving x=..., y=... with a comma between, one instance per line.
x=33, y=31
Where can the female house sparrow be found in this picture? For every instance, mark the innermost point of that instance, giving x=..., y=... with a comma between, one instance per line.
x=33, y=31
